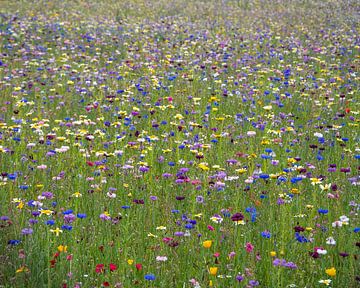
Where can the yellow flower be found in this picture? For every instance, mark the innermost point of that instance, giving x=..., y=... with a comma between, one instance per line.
x=203, y=167
x=315, y=181
x=267, y=108
x=241, y=170
x=331, y=271
x=213, y=271
x=57, y=231
x=77, y=194
x=130, y=261
x=62, y=248
x=20, y=205
x=207, y=244
x=161, y=228
x=46, y=212
x=272, y=253
x=295, y=191
x=179, y=116
x=22, y=269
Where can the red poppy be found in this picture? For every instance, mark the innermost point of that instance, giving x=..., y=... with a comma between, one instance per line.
x=106, y=284
x=99, y=268
x=138, y=266
x=112, y=266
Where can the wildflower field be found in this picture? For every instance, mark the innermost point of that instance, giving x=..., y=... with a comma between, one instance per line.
x=179, y=144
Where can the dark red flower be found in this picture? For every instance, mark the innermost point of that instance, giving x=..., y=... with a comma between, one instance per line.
x=299, y=229
x=106, y=284
x=237, y=217
x=314, y=255
x=52, y=263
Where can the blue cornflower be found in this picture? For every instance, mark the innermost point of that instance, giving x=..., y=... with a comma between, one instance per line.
x=14, y=242
x=67, y=212
x=189, y=226
x=66, y=227
x=150, y=277
x=266, y=234
x=300, y=238
x=323, y=211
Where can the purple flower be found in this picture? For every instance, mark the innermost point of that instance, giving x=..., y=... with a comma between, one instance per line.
x=33, y=221
x=48, y=195
x=239, y=278
x=104, y=217
x=183, y=170
x=253, y=283
x=199, y=199
x=276, y=262
x=144, y=169
x=290, y=265
x=69, y=218
x=167, y=175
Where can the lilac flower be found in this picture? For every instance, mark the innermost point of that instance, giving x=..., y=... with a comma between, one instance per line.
x=27, y=231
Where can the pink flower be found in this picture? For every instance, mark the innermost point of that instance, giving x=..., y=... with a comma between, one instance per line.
x=249, y=247
x=211, y=228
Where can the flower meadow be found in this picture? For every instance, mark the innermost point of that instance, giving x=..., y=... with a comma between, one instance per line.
x=179, y=144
